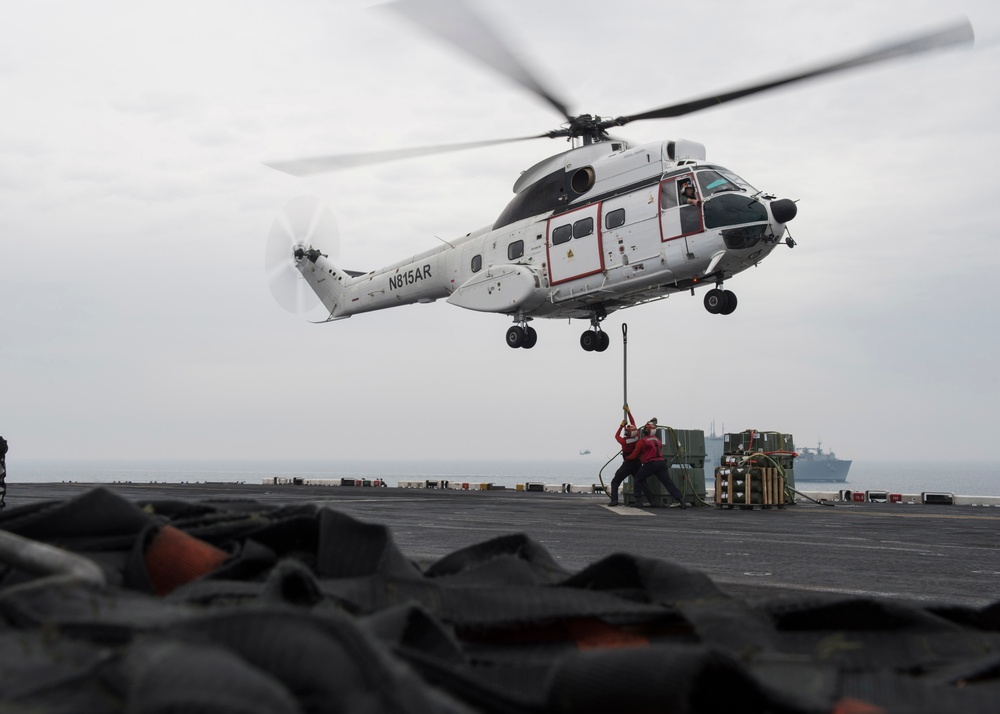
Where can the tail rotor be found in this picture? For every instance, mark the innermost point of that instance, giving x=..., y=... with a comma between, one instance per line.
x=304, y=224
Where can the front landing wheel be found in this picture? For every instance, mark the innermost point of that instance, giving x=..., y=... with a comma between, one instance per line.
x=730, y=303
x=530, y=338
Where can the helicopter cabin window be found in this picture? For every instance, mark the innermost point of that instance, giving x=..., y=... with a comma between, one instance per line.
x=614, y=219
x=515, y=250
x=562, y=234
x=583, y=228
x=477, y=263
x=668, y=195
x=680, y=207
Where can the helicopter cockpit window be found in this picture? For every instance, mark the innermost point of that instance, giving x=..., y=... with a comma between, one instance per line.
x=583, y=228
x=515, y=250
x=712, y=182
x=562, y=234
x=733, y=210
x=477, y=263
x=614, y=219
x=737, y=210
x=719, y=181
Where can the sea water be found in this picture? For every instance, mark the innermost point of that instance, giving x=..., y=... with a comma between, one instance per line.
x=960, y=478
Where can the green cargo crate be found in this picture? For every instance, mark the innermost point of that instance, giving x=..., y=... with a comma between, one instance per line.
x=683, y=446
x=753, y=440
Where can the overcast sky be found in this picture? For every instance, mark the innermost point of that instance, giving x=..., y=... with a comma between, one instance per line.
x=135, y=320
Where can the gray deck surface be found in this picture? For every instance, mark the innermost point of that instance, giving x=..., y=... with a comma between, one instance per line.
x=934, y=554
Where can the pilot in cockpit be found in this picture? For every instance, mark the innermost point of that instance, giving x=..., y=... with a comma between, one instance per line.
x=688, y=195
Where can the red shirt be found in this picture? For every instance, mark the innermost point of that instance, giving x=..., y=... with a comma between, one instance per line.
x=628, y=443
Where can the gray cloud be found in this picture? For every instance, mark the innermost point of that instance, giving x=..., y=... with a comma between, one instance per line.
x=137, y=322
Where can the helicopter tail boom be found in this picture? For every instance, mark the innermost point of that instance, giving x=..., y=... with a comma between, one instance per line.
x=345, y=293
x=329, y=283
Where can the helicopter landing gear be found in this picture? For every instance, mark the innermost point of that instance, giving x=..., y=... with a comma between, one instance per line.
x=530, y=338
x=720, y=302
x=520, y=335
x=594, y=339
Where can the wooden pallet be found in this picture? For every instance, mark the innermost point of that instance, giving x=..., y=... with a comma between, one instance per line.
x=749, y=487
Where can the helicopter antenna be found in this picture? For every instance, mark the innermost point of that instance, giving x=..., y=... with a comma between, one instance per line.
x=444, y=241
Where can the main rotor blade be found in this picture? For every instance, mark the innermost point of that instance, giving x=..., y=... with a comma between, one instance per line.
x=318, y=164
x=958, y=34
x=456, y=23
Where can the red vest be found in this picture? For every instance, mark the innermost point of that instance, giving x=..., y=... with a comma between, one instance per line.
x=628, y=444
x=652, y=450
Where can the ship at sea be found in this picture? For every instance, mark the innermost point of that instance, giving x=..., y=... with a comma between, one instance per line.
x=811, y=464
x=818, y=465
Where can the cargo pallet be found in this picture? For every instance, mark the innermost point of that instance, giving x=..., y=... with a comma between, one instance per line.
x=749, y=487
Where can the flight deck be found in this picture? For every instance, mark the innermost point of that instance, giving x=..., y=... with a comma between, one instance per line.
x=945, y=554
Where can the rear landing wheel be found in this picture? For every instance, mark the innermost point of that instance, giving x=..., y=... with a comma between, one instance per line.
x=715, y=300
x=720, y=302
x=594, y=341
x=516, y=336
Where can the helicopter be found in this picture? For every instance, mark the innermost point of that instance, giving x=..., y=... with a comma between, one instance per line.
x=600, y=227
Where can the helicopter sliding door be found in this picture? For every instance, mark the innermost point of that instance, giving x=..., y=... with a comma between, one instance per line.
x=679, y=218
x=574, y=244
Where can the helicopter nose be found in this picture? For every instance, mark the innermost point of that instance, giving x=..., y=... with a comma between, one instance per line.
x=784, y=210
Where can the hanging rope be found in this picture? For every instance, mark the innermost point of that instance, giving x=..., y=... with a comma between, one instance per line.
x=600, y=474
x=625, y=370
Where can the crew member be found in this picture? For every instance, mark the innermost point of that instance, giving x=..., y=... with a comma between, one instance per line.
x=628, y=436
x=688, y=195
x=651, y=455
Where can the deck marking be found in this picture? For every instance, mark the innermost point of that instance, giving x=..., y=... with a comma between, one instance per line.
x=912, y=514
x=626, y=510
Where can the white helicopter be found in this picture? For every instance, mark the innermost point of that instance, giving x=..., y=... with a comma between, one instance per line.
x=598, y=228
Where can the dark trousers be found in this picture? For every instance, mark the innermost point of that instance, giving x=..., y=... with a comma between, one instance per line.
x=661, y=472
x=628, y=468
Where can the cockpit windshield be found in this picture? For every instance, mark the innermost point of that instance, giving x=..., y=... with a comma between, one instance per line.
x=719, y=180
